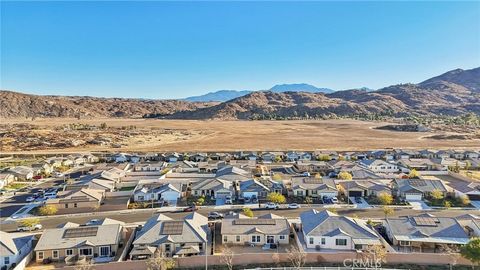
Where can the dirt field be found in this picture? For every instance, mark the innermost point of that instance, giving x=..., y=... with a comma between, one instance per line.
x=255, y=135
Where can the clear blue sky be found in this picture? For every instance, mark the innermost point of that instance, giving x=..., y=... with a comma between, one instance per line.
x=179, y=49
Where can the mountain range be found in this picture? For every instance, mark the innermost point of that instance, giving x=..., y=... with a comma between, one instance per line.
x=452, y=93
x=225, y=95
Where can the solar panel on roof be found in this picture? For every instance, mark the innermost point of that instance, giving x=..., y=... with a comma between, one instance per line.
x=313, y=181
x=254, y=222
x=417, y=182
x=172, y=227
x=80, y=232
x=426, y=221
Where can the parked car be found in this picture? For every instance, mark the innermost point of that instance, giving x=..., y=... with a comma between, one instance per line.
x=358, y=200
x=30, y=199
x=228, y=200
x=190, y=208
x=33, y=228
x=271, y=205
x=37, y=177
x=215, y=215
x=306, y=174
x=58, y=174
x=334, y=200
x=293, y=206
x=92, y=222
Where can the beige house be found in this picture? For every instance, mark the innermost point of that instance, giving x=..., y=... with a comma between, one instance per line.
x=268, y=229
x=78, y=198
x=72, y=242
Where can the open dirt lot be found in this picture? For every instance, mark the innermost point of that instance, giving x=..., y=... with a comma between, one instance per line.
x=186, y=135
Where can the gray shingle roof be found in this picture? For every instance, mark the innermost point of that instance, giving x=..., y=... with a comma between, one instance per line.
x=10, y=245
x=275, y=226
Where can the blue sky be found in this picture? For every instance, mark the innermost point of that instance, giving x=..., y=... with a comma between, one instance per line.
x=179, y=49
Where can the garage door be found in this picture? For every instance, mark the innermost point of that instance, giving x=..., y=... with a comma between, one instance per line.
x=474, y=197
x=413, y=197
x=355, y=193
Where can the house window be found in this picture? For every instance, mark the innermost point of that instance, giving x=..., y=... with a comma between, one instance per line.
x=404, y=243
x=341, y=242
x=40, y=255
x=255, y=238
x=195, y=192
x=358, y=247
x=55, y=254
x=314, y=192
x=6, y=260
x=282, y=237
x=105, y=251
x=238, y=238
x=310, y=240
x=323, y=241
x=69, y=252
x=167, y=247
x=225, y=238
x=86, y=251
x=75, y=205
x=66, y=205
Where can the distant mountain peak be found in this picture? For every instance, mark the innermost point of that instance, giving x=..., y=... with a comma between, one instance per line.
x=299, y=87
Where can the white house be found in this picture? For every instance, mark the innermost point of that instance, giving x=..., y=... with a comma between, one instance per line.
x=155, y=192
x=379, y=166
x=326, y=230
x=13, y=249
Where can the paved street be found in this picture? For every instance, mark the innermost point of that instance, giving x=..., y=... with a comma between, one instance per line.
x=143, y=215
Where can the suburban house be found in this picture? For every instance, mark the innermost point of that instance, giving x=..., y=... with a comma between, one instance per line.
x=149, y=166
x=416, y=189
x=6, y=179
x=213, y=187
x=466, y=188
x=157, y=192
x=314, y=187
x=199, y=157
x=296, y=156
x=71, y=243
x=269, y=157
x=447, y=162
x=472, y=155
x=22, y=172
x=253, y=189
x=363, y=188
x=232, y=173
x=78, y=198
x=268, y=229
x=379, y=166
x=13, y=249
x=171, y=237
x=39, y=168
x=210, y=166
x=424, y=233
x=471, y=223
x=173, y=157
x=419, y=164
x=326, y=230
x=313, y=166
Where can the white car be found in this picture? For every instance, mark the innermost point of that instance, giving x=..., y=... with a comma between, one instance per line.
x=33, y=228
x=293, y=206
x=30, y=199
x=334, y=200
x=57, y=174
x=92, y=222
x=271, y=205
x=214, y=215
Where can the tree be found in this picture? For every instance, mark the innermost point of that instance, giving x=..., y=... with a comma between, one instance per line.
x=278, y=159
x=387, y=211
x=471, y=251
x=447, y=204
x=248, y=212
x=159, y=262
x=375, y=253
x=30, y=222
x=464, y=200
x=275, y=197
x=318, y=176
x=47, y=210
x=103, y=125
x=436, y=194
x=344, y=176
x=277, y=177
x=413, y=174
x=324, y=158
x=200, y=201
x=308, y=200
x=227, y=257
x=297, y=257
x=385, y=198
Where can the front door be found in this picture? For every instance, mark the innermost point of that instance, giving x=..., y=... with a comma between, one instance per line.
x=270, y=239
x=105, y=251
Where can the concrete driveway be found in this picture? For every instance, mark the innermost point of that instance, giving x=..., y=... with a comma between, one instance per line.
x=419, y=205
x=475, y=204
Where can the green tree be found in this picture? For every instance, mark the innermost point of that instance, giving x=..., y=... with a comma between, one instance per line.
x=276, y=198
x=248, y=212
x=277, y=177
x=464, y=200
x=47, y=210
x=436, y=194
x=345, y=176
x=308, y=200
x=200, y=201
x=324, y=158
x=413, y=174
x=385, y=198
x=29, y=222
x=447, y=204
x=471, y=251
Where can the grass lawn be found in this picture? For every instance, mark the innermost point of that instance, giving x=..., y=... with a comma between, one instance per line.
x=127, y=188
x=16, y=186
